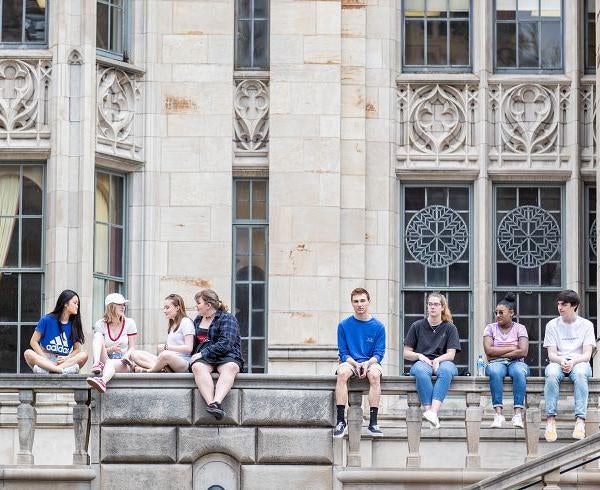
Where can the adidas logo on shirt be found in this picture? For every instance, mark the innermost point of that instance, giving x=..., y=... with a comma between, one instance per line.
x=59, y=345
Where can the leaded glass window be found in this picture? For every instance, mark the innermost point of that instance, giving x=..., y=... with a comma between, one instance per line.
x=250, y=258
x=252, y=35
x=24, y=23
x=109, y=237
x=112, y=26
x=21, y=260
x=437, y=34
x=528, y=258
x=436, y=232
x=590, y=35
x=529, y=35
x=591, y=259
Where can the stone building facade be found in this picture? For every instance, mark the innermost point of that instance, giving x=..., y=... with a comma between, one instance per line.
x=286, y=152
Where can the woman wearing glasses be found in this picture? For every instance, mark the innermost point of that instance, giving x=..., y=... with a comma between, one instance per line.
x=506, y=344
x=432, y=343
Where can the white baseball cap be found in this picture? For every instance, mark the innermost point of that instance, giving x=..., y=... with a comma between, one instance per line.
x=116, y=298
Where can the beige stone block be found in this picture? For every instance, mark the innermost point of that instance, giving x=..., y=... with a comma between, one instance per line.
x=179, y=154
x=293, y=367
x=329, y=17
x=353, y=101
x=329, y=126
x=375, y=53
x=352, y=157
x=292, y=258
x=279, y=291
x=220, y=222
x=322, y=50
x=185, y=223
x=286, y=49
x=276, y=477
x=280, y=97
x=328, y=259
x=296, y=126
x=377, y=261
x=322, y=155
x=215, y=153
x=353, y=191
x=378, y=130
x=186, y=287
x=293, y=18
x=354, y=51
x=198, y=259
x=353, y=128
x=184, y=49
x=293, y=327
x=199, y=125
x=354, y=23
x=315, y=98
x=200, y=189
x=327, y=327
x=378, y=22
x=329, y=189
x=286, y=155
x=352, y=225
x=302, y=73
x=352, y=260
x=353, y=75
x=378, y=192
x=219, y=74
x=313, y=293
x=305, y=189
x=203, y=17
x=316, y=224
x=280, y=223
x=220, y=49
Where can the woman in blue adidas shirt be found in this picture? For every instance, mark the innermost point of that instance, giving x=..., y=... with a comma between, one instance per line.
x=56, y=341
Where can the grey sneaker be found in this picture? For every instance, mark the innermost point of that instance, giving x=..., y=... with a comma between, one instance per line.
x=341, y=429
x=74, y=369
x=39, y=370
x=375, y=431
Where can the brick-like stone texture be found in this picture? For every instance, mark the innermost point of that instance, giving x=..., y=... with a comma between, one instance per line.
x=138, y=444
x=287, y=408
x=300, y=446
x=145, y=476
x=231, y=405
x=147, y=407
x=195, y=442
x=277, y=477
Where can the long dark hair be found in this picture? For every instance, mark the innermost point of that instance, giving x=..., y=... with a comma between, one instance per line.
x=76, y=328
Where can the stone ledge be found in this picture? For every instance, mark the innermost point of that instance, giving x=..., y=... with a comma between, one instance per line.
x=195, y=442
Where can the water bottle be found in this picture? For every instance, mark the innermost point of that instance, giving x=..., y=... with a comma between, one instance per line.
x=480, y=366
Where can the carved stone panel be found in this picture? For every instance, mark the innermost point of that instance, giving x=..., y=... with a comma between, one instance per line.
x=24, y=93
x=119, y=124
x=251, y=121
x=587, y=125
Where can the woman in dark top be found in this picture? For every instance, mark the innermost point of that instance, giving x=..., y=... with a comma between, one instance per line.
x=432, y=343
x=217, y=347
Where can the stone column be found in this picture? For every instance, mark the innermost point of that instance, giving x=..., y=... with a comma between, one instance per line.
x=592, y=422
x=26, y=415
x=355, y=417
x=473, y=417
x=414, y=420
x=81, y=414
x=533, y=419
x=551, y=480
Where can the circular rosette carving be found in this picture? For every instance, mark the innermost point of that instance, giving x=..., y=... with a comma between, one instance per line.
x=117, y=94
x=18, y=104
x=437, y=119
x=529, y=119
x=437, y=236
x=528, y=236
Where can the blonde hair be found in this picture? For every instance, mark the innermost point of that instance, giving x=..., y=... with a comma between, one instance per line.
x=111, y=315
x=177, y=301
x=210, y=297
x=446, y=313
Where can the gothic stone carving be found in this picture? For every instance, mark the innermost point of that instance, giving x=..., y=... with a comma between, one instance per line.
x=251, y=123
x=24, y=87
x=587, y=125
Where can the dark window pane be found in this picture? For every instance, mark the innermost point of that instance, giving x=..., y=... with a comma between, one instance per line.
x=32, y=190
x=414, y=42
x=258, y=353
x=12, y=18
x=414, y=198
x=462, y=325
x=102, y=26
x=459, y=43
x=26, y=333
x=241, y=305
x=116, y=30
x=258, y=268
x=550, y=274
x=261, y=44
x=35, y=22
x=550, y=199
x=437, y=39
x=116, y=200
x=242, y=200
x=243, y=48
x=101, y=249
x=259, y=200
x=259, y=244
x=437, y=196
x=506, y=274
x=436, y=277
x=459, y=199
x=31, y=253
x=506, y=52
x=9, y=255
x=31, y=297
x=414, y=303
x=459, y=274
x=459, y=302
x=528, y=304
x=116, y=252
x=528, y=276
x=528, y=196
x=591, y=36
x=258, y=323
x=506, y=198
x=242, y=9
x=551, y=45
x=261, y=9
x=505, y=9
x=241, y=268
x=414, y=274
x=258, y=296
x=242, y=243
x=9, y=297
x=528, y=45
x=8, y=348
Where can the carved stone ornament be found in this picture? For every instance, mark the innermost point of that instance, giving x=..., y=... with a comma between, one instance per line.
x=117, y=98
x=251, y=122
x=24, y=98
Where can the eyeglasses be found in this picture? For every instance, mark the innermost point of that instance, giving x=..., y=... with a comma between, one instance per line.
x=500, y=313
x=434, y=304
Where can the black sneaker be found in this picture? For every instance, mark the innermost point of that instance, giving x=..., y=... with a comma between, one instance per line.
x=341, y=429
x=375, y=431
x=215, y=410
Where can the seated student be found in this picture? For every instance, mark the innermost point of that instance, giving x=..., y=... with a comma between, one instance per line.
x=570, y=341
x=217, y=348
x=506, y=344
x=361, y=345
x=432, y=343
x=114, y=338
x=174, y=355
x=56, y=341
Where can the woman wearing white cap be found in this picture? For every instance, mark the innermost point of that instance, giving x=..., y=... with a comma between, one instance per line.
x=114, y=338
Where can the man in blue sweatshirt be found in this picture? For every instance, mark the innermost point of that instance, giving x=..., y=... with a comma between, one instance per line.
x=361, y=345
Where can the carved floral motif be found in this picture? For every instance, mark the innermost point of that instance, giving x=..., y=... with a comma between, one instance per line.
x=251, y=122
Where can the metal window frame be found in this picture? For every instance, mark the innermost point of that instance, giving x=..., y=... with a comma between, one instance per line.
x=590, y=291
x=425, y=289
x=447, y=68
x=126, y=39
x=586, y=34
x=251, y=224
x=525, y=70
x=23, y=43
x=251, y=20
x=19, y=270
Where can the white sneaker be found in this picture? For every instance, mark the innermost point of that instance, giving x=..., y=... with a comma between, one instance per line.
x=74, y=369
x=498, y=421
x=517, y=420
x=432, y=418
x=39, y=370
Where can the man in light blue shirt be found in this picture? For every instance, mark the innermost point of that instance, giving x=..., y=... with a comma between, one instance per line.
x=361, y=345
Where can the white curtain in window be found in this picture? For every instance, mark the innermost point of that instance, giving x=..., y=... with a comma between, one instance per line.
x=9, y=199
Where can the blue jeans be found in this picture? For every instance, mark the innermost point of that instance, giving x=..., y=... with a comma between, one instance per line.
x=518, y=371
x=579, y=375
x=425, y=387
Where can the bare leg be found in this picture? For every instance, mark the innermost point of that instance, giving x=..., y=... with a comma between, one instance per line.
x=143, y=359
x=374, y=377
x=204, y=382
x=98, y=348
x=341, y=385
x=111, y=367
x=435, y=405
x=227, y=374
x=80, y=359
x=170, y=359
x=32, y=358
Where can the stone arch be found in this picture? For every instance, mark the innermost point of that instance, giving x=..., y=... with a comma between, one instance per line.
x=216, y=470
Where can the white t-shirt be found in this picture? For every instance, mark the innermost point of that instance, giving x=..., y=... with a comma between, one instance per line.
x=128, y=328
x=569, y=338
x=186, y=327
